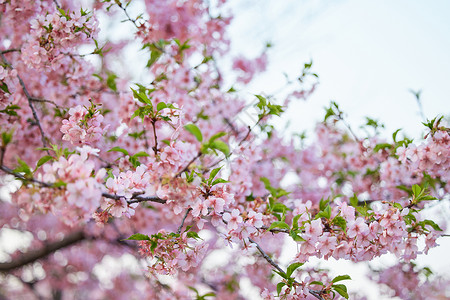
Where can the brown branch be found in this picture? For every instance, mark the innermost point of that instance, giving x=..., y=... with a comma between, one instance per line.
x=189, y=164
x=21, y=177
x=184, y=219
x=267, y=257
x=315, y=293
x=126, y=13
x=32, y=256
x=33, y=99
x=155, y=148
x=30, y=104
x=136, y=198
x=9, y=50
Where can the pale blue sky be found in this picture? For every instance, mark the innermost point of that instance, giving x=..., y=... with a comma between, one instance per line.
x=368, y=54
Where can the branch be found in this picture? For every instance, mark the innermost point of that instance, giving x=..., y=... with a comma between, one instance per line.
x=189, y=164
x=184, y=219
x=21, y=177
x=136, y=198
x=126, y=13
x=155, y=148
x=32, y=256
x=9, y=50
x=316, y=294
x=30, y=104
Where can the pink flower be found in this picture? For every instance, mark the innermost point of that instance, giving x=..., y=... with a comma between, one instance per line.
x=358, y=227
x=233, y=219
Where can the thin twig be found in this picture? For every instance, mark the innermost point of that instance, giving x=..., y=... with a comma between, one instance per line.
x=184, y=219
x=188, y=165
x=56, y=3
x=136, y=198
x=315, y=293
x=44, y=100
x=9, y=50
x=126, y=13
x=267, y=257
x=30, y=104
x=155, y=148
x=23, y=178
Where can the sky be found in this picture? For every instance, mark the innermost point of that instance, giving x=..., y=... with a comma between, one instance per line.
x=368, y=55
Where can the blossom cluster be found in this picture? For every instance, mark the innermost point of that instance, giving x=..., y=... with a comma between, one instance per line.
x=55, y=35
x=77, y=194
x=84, y=125
x=172, y=252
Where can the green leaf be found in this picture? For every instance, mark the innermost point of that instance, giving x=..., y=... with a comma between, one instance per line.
x=23, y=167
x=118, y=149
x=432, y=224
x=394, y=135
x=111, y=81
x=6, y=138
x=139, y=237
x=354, y=201
x=161, y=106
x=279, y=287
x=279, y=224
x=378, y=147
x=195, y=131
x=281, y=274
x=42, y=161
x=279, y=207
x=221, y=146
x=326, y=213
x=154, y=56
x=416, y=190
x=294, y=235
x=292, y=268
x=142, y=97
x=323, y=203
x=341, y=289
x=210, y=294
x=213, y=173
x=341, y=277
x=340, y=221
x=141, y=154
x=216, y=136
x=317, y=283
x=59, y=183
x=219, y=180
x=4, y=87
x=295, y=221
x=193, y=234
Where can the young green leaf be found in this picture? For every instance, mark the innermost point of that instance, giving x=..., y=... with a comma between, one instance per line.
x=161, y=106
x=42, y=161
x=292, y=268
x=341, y=277
x=139, y=237
x=279, y=287
x=195, y=131
x=221, y=146
x=341, y=289
x=118, y=149
x=279, y=224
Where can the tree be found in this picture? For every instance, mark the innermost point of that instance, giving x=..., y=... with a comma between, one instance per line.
x=167, y=172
